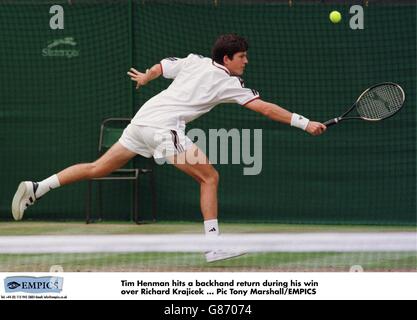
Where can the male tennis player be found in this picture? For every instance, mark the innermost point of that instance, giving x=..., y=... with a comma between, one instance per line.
x=199, y=85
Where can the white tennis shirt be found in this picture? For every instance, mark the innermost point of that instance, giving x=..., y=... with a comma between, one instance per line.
x=199, y=85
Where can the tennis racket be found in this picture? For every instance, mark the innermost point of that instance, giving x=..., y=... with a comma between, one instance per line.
x=376, y=103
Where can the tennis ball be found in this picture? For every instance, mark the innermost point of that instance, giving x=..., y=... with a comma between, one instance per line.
x=335, y=16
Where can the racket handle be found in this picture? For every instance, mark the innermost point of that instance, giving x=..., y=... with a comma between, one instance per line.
x=331, y=122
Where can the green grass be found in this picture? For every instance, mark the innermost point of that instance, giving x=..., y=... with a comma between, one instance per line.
x=194, y=262
x=76, y=228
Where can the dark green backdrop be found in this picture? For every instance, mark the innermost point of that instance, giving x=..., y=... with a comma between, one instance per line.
x=51, y=107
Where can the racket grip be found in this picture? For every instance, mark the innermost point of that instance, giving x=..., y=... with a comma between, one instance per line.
x=331, y=122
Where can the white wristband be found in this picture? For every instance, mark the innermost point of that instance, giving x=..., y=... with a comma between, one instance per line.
x=299, y=121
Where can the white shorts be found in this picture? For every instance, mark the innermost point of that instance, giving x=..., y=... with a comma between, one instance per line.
x=154, y=142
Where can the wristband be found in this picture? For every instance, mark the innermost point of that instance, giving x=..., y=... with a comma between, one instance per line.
x=299, y=121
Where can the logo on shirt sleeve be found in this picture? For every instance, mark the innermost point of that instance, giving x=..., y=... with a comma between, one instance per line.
x=242, y=83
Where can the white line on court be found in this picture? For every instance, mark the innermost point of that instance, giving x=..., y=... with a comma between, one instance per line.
x=280, y=242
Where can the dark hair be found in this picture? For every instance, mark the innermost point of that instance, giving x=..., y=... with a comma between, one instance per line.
x=228, y=44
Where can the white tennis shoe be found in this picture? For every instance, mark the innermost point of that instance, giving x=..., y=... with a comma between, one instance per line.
x=23, y=198
x=217, y=255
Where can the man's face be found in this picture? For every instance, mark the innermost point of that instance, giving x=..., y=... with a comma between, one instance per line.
x=237, y=65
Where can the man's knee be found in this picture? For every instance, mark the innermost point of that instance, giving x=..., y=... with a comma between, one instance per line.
x=95, y=170
x=211, y=178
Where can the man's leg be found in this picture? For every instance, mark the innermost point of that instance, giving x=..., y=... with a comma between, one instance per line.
x=204, y=173
x=116, y=157
x=27, y=192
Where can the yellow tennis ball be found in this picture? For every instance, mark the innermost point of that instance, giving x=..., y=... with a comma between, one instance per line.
x=335, y=16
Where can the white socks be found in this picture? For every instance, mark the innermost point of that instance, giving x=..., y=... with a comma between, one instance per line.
x=48, y=184
x=211, y=227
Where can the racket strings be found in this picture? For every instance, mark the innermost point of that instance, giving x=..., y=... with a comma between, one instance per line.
x=380, y=102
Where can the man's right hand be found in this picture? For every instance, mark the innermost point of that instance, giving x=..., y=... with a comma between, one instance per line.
x=315, y=128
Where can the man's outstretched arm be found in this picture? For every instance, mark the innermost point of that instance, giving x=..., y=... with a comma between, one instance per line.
x=143, y=78
x=276, y=113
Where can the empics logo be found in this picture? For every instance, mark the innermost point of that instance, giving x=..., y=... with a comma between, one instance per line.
x=52, y=51
x=33, y=284
x=13, y=285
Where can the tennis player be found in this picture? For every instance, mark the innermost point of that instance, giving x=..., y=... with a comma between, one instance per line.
x=199, y=85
